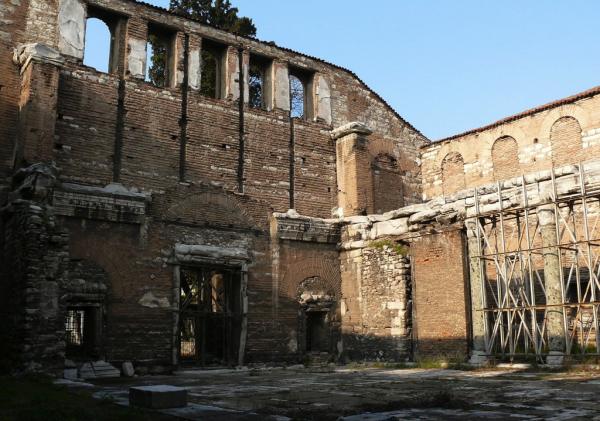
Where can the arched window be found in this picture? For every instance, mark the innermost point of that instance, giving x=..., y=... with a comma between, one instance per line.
x=297, y=94
x=453, y=173
x=505, y=157
x=565, y=141
x=258, y=91
x=98, y=41
x=211, y=77
x=388, y=191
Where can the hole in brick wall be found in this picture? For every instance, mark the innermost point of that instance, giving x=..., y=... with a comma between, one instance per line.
x=160, y=58
x=303, y=159
x=212, y=74
x=58, y=146
x=102, y=32
x=257, y=73
x=535, y=140
x=297, y=99
x=97, y=44
x=59, y=116
x=328, y=189
x=301, y=87
x=174, y=137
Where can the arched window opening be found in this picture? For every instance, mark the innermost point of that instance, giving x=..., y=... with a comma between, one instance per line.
x=300, y=93
x=212, y=57
x=565, y=141
x=98, y=45
x=160, y=57
x=388, y=185
x=297, y=90
x=453, y=173
x=257, y=82
x=505, y=158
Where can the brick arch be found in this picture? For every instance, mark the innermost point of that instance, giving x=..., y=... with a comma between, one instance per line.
x=382, y=146
x=202, y=205
x=453, y=173
x=113, y=251
x=86, y=277
x=505, y=158
x=565, y=141
x=297, y=272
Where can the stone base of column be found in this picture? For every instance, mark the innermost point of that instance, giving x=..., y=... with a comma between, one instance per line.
x=555, y=359
x=478, y=358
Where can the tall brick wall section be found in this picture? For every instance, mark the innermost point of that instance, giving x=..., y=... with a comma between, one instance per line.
x=85, y=127
x=297, y=262
x=33, y=270
x=564, y=132
x=351, y=101
x=12, y=23
x=388, y=188
x=108, y=126
x=376, y=311
x=440, y=292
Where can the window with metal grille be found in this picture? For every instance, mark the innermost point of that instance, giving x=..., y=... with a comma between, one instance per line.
x=74, y=327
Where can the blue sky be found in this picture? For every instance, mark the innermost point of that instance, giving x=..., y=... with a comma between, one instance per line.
x=445, y=66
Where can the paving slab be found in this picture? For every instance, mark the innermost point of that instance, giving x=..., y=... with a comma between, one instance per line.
x=378, y=394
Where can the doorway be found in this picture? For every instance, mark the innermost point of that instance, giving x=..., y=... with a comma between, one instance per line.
x=82, y=332
x=210, y=315
x=317, y=331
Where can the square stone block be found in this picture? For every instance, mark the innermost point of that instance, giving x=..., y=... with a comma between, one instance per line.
x=158, y=396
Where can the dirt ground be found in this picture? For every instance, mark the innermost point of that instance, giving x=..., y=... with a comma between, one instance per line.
x=375, y=394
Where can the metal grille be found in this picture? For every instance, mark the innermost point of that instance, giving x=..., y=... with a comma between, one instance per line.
x=74, y=327
x=210, y=306
x=511, y=260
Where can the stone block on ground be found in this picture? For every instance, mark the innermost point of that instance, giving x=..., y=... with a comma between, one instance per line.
x=70, y=374
x=158, y=396
x=127, y=369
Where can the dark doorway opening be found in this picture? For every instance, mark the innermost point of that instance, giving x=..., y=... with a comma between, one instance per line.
x=317, y=331
x=210, y=315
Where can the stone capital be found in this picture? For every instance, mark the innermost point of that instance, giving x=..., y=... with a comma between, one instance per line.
x=354, y=127
x=24, y=53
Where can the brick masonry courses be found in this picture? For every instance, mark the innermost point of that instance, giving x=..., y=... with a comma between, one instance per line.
x=138, y=172
x=98, y=128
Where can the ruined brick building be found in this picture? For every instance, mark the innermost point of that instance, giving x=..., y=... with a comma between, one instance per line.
x=168, y=224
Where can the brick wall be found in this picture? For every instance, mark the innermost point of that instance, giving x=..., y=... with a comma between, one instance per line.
x=101, y=128
x=565, y=141
x=440, y=295
x=505, y=158
x=453, y=173
x=566, y=131
x=12, y=22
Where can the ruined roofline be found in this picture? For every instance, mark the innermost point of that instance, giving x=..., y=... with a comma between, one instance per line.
x=273, y=45
x=557, y=103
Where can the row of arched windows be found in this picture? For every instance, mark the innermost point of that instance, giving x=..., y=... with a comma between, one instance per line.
x=565, y=144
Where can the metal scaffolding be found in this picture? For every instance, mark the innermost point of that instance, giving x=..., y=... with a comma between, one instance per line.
x=516, y=248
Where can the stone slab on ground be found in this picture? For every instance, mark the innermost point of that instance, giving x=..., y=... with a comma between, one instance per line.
x=98, y=370
x=363, y=393
x=160, y=396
